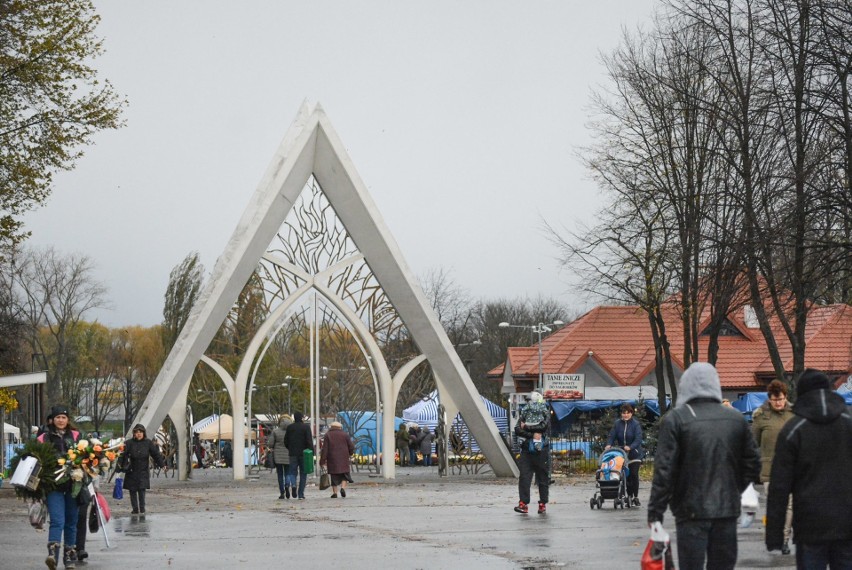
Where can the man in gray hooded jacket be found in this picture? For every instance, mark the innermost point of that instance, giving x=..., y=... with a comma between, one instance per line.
x=706, y=457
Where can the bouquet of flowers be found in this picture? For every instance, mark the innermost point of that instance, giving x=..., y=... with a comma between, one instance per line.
x=88, y=459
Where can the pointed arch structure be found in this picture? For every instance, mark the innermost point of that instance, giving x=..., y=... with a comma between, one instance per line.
x=311, y=150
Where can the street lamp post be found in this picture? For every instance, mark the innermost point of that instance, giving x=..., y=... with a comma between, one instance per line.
x=214, y=398
x=289, y=384
x=538, y=329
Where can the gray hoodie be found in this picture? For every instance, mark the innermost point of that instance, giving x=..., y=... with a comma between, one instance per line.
x=700, y=380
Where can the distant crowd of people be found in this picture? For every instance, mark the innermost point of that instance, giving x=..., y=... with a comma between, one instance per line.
x=414, y=445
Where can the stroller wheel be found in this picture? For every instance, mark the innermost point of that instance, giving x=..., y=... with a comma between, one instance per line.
x=600, y=503
x=616, y=504
x=592, y=503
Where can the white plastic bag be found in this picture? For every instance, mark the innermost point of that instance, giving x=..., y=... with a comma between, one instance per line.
x=749, y=503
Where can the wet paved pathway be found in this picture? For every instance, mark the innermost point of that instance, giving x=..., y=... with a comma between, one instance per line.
x=417, y=521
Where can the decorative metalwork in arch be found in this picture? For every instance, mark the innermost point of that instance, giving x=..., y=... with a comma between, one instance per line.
x=311, y=235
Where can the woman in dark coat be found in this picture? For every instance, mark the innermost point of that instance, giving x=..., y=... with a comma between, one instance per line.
x=627, y=434
x=134, y=464
x=336, y=449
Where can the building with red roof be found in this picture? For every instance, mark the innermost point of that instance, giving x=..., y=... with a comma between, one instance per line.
x=612, y=346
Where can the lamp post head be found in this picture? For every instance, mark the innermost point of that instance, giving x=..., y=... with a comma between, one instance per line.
x=503, y=325
x=558, y=323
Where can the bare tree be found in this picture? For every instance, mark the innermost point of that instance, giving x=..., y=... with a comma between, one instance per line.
x=55, y=291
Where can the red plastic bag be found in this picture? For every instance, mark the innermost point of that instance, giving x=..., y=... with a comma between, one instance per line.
x=103, y=506
x=658, y=553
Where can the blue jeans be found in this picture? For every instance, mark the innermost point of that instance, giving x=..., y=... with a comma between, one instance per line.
x=297, y=467
x=836, y=555
x=412, y=456
x=712, y=539
x=285, y=479
x=63, y=511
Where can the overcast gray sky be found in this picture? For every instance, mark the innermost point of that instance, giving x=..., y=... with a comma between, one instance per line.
x=462, y=119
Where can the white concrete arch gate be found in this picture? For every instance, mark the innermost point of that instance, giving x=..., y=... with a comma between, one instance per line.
x=311, y=147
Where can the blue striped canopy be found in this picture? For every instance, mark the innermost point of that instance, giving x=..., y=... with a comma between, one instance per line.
x=425, y=414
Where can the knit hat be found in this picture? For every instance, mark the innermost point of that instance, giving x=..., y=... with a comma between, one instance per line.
x=812, y=379
x=337, y=425
x=700, y=380
x=139, y=427
x=59, y=410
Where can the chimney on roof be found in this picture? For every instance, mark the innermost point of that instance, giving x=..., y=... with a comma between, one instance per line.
x=750, y=317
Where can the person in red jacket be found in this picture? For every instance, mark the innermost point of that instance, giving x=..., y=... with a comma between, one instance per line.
x=337, y=447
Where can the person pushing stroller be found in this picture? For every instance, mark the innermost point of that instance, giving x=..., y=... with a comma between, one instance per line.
x=535, y=452
x=627, y=434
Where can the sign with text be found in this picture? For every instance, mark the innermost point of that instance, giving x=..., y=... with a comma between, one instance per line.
x=564, y=386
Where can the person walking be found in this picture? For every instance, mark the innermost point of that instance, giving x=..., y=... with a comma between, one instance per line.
x=813, y=459
x=706, y=457
x=298, y=438
x=402, y=445
x=413, y=434
x=767, y=421
x=134, y=463
x=627, y=434
x=61, y=505
x=424, y=443
x=281, y=457
x=534, y=459
x=337, y=447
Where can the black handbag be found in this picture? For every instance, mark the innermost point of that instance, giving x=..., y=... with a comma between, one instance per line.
x=94, y=524
x=325, y=481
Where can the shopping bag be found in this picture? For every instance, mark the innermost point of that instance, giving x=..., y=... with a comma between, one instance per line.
x=269, y=459
x=325, y=481
x=38, y=514
x=749, y=502
x=118, y=490
x=658, y=552
x=308, y=461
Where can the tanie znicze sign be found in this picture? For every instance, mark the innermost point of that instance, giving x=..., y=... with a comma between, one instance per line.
x=564, y=386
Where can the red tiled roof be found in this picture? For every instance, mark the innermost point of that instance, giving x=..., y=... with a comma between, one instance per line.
x=619, y=339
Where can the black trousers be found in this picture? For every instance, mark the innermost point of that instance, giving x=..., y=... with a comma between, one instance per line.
x=534, y=464
x=82, y=526
x=633, y=478
x=137, y=500
x=712, y=539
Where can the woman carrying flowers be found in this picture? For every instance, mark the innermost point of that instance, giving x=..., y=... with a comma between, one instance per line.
x=135, y=464
x=62, y=502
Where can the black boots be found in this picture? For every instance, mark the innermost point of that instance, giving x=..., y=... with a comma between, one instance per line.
x=69, y=558
x=52, y=555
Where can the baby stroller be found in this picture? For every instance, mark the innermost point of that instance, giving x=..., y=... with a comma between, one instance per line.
x=611, y=480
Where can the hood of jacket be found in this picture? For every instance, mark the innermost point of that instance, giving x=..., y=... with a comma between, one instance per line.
x=699, y=381
x=819, y=406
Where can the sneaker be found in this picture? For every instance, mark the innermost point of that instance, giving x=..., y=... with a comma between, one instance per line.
x=542, y=508
x=522, y=508
x=636, y=502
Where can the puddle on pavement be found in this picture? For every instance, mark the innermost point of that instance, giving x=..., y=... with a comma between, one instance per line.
x=135, y=525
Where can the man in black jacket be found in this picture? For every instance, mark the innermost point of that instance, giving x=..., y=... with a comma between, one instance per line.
x=813, y=460
x=706, y=457
x=298, y=438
